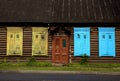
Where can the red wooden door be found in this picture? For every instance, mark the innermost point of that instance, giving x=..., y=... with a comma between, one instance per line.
x=60, y=49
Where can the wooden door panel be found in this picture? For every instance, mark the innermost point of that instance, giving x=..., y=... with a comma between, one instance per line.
x=60, y=48
x=39, y=40
x=81, y=41
x=65, y=51
x=11, y=43
x=106, y=41
x=17, y=43
x=64, y=59
x=14, y=41
x=57, y=58
x=55, y=50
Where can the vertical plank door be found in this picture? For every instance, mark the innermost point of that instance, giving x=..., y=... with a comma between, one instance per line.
x=106, y=41
x=81, y=41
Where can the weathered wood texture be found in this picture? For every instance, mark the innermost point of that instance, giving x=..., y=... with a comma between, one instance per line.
x=27, y=47
x=3, y=39
x=70, y=11
x=94, y=48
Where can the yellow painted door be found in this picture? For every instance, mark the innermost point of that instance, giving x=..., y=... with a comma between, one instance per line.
x=14, y=41
x=39, y=41
x=10, y=43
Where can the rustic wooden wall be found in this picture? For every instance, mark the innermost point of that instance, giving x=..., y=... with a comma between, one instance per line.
x=94, y=51
x=27, y=47
x=3, y=39
x=118, y=44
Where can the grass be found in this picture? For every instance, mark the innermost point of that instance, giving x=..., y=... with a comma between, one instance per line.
x=70, y=67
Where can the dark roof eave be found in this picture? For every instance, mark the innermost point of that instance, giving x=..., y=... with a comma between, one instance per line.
x=67, y=24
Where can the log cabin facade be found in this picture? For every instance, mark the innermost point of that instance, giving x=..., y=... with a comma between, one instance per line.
x=61, y=46
x=58, y=42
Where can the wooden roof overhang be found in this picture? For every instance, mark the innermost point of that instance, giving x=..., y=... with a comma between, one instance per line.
x=56, y=12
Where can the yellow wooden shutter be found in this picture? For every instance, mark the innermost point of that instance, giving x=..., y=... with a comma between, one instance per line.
x=39, y=40
x=14, y=40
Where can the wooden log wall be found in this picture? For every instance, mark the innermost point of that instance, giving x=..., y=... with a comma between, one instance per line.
x=27, y=47
x=3, y=39
x=118, y=42
x=94, y=48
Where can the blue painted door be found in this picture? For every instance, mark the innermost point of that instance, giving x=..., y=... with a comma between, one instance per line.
x=81, y=41
x=106, y=41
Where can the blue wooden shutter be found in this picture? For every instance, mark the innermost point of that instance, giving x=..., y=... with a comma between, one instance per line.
x=106, y=41
x=81, y=41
